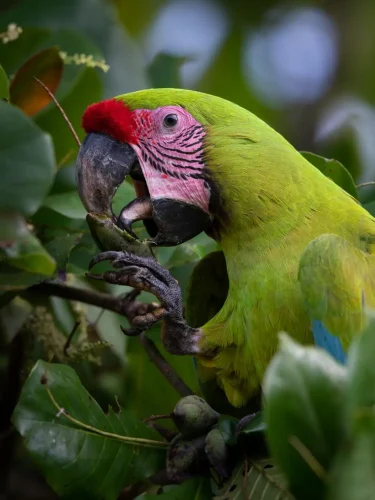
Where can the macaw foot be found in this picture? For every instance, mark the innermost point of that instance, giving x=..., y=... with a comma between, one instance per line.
x=146, y=274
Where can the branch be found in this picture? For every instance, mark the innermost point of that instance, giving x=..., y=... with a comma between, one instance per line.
x=164, y=367
x=99, y=299
x=124, y=307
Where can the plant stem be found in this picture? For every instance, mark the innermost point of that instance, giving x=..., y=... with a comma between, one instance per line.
x=164, y=367
x=119, y=305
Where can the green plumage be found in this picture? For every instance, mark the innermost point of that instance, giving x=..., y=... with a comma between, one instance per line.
x=297, y=247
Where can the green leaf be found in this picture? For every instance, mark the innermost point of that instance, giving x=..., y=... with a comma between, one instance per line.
x=164, y=71
x=263, y=481
x=194, y=489
x=352, y=474
x=67, y=204
x=334, y=170
x=191, y=252
x=305, y=391
x=361, y=375
x=59, y=248
x=13, y=55
x=20, y=248
x=12, y=278
x=28, y=94
x=81, y=255
x=4, y=85
x=12, y=317
x=76, y=462
x=27, y=162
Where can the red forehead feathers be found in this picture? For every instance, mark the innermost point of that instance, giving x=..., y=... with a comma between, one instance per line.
x=113, y=118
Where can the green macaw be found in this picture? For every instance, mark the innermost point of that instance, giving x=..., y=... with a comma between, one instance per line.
x=297, y=250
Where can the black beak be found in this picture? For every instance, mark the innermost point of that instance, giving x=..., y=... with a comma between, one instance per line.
x=103, y=164
x=101, y=167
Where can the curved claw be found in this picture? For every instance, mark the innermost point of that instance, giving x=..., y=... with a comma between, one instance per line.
x=132, y=332
x=108, y=255
x=94, y=276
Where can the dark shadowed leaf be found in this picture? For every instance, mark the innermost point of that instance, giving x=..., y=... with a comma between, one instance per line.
x=27, y=162
x=4, y=85
x=164, y=71
x=20, y=248
x=28, y=94
x=370, y=207
x=59, y=248
x=262, y=481
x=304, y=390
x=334, y=170
x=12, y=317
x=13, y=55
x=78, y=463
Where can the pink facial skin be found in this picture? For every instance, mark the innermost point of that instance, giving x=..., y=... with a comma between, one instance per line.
x=171, y=155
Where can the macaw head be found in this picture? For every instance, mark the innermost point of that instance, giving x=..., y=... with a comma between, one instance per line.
x=180, y=147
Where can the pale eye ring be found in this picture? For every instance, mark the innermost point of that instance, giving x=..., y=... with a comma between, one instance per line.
x=170, y=120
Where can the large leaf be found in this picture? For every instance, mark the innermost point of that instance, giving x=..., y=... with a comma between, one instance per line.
x=26, y=92
x=263, y=481
x=352, y=473
x=361, y=395
x=27, y=162
x=305, y=392
x=21, y=248
x=334, y=170
x=67, y=204
x=4, y=85
x=77, y=462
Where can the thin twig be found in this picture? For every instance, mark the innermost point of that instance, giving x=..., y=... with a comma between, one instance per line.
x=127, y=439
x=60, y=109
x=71, y=335
x=164, y=367
x=364, y=184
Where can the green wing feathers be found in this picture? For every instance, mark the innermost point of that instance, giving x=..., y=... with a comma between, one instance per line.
x=337, y=279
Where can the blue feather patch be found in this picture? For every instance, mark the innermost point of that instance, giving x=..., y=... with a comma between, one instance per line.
x=328, y=342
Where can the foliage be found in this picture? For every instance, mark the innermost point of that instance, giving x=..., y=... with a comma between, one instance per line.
x=44, y=238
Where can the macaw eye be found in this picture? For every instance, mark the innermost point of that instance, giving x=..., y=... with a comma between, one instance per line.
x=170, y=120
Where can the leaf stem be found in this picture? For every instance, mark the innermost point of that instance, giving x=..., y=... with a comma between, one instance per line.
x=308, y=457
x=60, y=109
x=150, y=443
x=365, y=184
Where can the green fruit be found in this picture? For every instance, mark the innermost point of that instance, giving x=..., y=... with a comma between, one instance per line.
x=193, y=416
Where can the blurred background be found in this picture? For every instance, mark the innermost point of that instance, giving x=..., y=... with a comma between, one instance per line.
x=305, y=67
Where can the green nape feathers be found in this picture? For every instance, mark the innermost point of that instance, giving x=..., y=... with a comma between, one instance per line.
x=299, y=251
